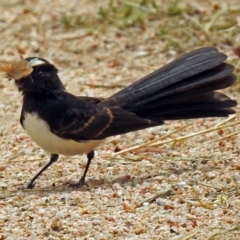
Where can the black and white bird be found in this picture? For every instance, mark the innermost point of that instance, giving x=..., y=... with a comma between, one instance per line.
x=61, y=123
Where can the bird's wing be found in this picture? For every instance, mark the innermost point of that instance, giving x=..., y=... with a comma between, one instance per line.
x=92, y=121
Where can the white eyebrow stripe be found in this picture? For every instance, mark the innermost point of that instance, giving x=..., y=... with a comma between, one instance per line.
x=36, y=62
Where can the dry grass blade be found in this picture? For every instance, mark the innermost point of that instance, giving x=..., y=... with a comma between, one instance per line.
x=207, y=205
x=195, y=134
x=204, y=204
x=5, y=193
x=228, y=136
x=214, y=18
x=158, y=142
x=7, y=196
x=21, y=161
x=153, y=141
x=196, y=23
x=191, y=235
x=191, y=182
x=141, y=8
x=225, y=121
x=150, y=199
x=234, y=230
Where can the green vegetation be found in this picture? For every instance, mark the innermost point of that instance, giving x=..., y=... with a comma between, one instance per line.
x=176, y=23
x=124, y=14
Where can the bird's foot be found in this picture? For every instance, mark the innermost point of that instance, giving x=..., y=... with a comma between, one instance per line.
x=79, y=184
x=30, y=185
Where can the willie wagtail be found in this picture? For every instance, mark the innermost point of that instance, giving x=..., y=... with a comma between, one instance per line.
x=61, y=123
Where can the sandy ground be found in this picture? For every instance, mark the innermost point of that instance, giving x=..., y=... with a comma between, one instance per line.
x=185, y=189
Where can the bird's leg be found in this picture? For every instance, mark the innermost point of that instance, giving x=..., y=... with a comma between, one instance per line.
x=81, y=182
x=53, y=158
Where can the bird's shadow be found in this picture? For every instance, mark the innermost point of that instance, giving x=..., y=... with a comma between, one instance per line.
x=124, y=181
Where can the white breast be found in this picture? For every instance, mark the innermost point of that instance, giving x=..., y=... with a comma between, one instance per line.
x=40, y=133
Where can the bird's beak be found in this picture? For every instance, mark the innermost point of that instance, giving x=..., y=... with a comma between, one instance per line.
x=16, y=69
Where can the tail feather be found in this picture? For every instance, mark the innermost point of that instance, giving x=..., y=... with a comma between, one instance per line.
x=182, y=89
x=207, y=81
x=187, y=65
x=183, y=97
x=211, y=104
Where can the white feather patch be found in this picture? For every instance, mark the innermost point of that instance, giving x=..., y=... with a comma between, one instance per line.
x=40, y=133
x=36, y=62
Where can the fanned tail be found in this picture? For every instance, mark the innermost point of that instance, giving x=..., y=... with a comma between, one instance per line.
x=183, y=89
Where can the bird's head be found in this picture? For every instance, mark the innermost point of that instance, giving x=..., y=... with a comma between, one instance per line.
x=33, y=74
